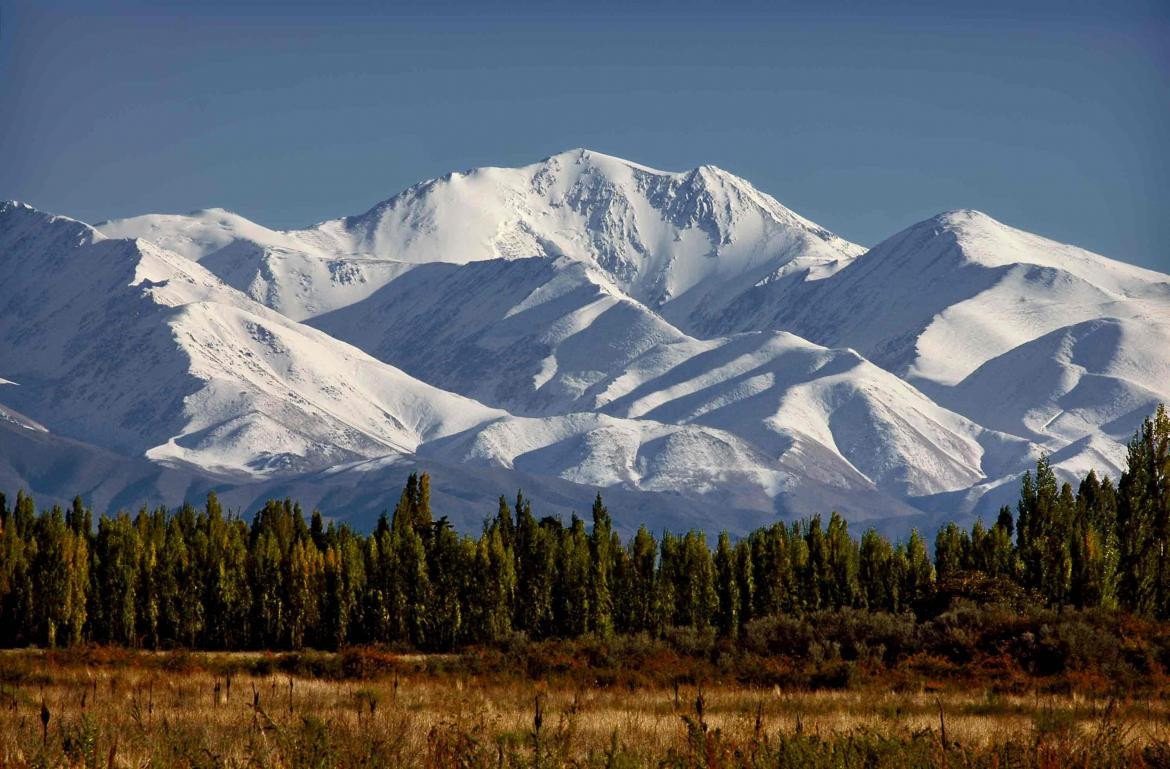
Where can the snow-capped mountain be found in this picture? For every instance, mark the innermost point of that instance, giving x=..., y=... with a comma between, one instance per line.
x=1017, y=332
x=542, y=337
x=153, y=357
x=681, y=341
x=136, y=348
x=683, y=243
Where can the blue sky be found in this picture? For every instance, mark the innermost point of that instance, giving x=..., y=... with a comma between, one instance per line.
x=865, y=117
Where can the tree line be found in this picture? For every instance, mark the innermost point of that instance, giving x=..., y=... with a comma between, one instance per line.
x=206, y=579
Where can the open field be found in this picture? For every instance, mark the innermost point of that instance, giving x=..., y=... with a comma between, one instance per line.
x=121, y=709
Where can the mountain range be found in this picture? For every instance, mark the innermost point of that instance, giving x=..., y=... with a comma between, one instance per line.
x=681, y=342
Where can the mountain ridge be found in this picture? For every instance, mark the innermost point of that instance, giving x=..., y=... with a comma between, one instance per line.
x=598, y=322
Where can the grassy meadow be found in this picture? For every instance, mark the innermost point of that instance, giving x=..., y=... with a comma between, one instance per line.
x=111, y=708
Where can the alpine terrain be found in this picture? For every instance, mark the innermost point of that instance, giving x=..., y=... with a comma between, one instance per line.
x=681, y=342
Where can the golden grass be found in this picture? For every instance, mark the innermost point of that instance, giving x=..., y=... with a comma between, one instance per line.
x=134, y=715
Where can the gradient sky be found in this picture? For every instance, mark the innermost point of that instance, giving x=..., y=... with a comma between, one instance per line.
x=866, y=117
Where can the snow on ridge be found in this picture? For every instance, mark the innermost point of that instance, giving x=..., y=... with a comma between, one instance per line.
x=151, y=354
x=589, y=320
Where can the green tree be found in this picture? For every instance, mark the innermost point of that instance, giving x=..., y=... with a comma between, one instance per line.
x=571, y=593
x=59, y=579
x=695, y=596
x=448, y=572
x=745, y=579
x=535, y=572
x=636, y=587
x=116, y=581
x=917, y=573
x=222, y=549
x=18, y=599
x=841, y=556
x=181, y=615
x=600, y=619
x=1143, y=519
x=496, y=568
x=726, y=587
x=949, y=555
x=876, y=575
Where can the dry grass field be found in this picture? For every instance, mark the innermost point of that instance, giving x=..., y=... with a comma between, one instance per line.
x=123, y=709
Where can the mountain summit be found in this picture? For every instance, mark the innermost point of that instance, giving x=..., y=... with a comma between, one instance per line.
x=681, y=243
x=682, y=341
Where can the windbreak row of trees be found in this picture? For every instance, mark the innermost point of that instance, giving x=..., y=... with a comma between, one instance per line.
x=200, y=578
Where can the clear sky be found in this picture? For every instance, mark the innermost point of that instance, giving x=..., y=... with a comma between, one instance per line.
x=866, y=116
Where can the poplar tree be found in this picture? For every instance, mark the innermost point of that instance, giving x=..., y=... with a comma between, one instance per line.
x=535, y=567
x=745, y=580
x=116, y=581
x=695, y=596
x=1143, y=519
x=918, y=576
x=600, y=618
x=18, y=599
x=666, y=580
x=495, y=565
x=60, y=569
x=411, y=576
x=879, y=587
x=639, y=589
x=726, y=587
x=948, y=552
x=816, y=576
x=841, y=559
x=571, y=593
x=445, y=565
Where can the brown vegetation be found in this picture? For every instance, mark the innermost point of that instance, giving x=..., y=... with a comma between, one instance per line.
x=115, y=708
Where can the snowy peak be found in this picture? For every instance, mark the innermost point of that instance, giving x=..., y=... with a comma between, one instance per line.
x=685, y=244
x=656, y=234
x=587, y=320
x=973, y=237
x=26, y=228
